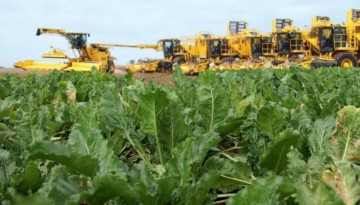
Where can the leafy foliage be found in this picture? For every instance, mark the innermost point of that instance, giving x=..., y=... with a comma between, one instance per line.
x=271, y=121
x=274, y=157
x=346, y=139
x=246, y=137
x=344, y=179
x=320, y=194
x=271, y=190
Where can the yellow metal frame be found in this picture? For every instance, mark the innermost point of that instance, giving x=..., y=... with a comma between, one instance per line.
x=90, y=56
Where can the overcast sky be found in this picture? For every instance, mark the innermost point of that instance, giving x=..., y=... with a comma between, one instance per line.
x=143, y=21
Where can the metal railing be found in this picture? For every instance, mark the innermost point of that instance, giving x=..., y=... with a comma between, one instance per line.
x=340, y=41
x=225, y=49
x=267, y=48
x=296, y=44
x=178, y=50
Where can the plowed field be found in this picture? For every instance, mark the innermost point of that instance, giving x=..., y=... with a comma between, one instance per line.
x=162, y=78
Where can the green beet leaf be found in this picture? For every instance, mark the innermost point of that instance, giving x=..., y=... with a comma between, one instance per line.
x=148, y=189
x=198, y=192
x=8, y=108
x=190, y=155
x=321, y=132
x=271, y=120
x=109, y=187
x=31, y=179
x=7, y=167
x=319, y=194
x=346, y=140
x=272, y=190
x=151, y=107
x=69, y=189
x=344, y=178
x=59, y=153
x=233, y=175
x=213, y=101
x=34, y=199
x=87, y=140
x=111, y=107
x=172, y=128
x=275, y=155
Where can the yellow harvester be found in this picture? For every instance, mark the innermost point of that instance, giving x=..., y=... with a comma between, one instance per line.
x=192, y=54
x=87, y=56
x=241, y=48
x=167, y=46
x=336, y=44
x=198, y=52
x=148, y=65
x=286, y=45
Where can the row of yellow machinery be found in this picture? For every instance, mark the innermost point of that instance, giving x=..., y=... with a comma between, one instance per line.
x=324, y=44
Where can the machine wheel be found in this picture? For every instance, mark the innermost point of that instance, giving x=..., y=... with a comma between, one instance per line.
x=276, y=62
x=159, y=69
x=227, y=60
x=163, y=66
x=167, y=66
x=179, y=60
x=191, y=72
x=111, y=67
x=315, y=64
x=346, y=60
x=320, y=63
x=294, y=57
x=142, y=70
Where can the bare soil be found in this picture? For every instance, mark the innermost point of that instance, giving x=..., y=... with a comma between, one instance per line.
x=161, y=78
x=21, y=72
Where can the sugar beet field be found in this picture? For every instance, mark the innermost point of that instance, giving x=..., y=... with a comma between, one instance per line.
x=260, y=136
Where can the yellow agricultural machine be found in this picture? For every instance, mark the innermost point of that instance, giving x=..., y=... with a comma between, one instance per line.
x=336, y=45
x=240, y=42
x=192, y=54
x=287, y=45
x=241, y=48
x=147, y=65
x=86, y=57
x=196, y=53
x=152, y=65
x=322, y=45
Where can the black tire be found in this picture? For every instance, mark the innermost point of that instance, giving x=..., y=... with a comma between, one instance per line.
x=159, y=69
x=227, y=60
x=315, y=64
x=165, y=66
x=142, y=70
x=346, y=60
x=191, y=72
x=111, y=67
x=319, y=64
x=179, y=60
x=276, y=62
x=294, y=57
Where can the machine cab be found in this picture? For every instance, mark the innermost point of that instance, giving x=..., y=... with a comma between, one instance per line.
x=169, y=45
x=267, y=47
x=283, y=43
x=340, y=37
x=215, y=48
x=326, y=39
x=289, y=42
x=256, y=46
x=283, y=37
x=296, y=41
x=77, y=40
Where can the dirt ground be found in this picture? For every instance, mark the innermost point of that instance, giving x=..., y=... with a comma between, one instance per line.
x=162, y=78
